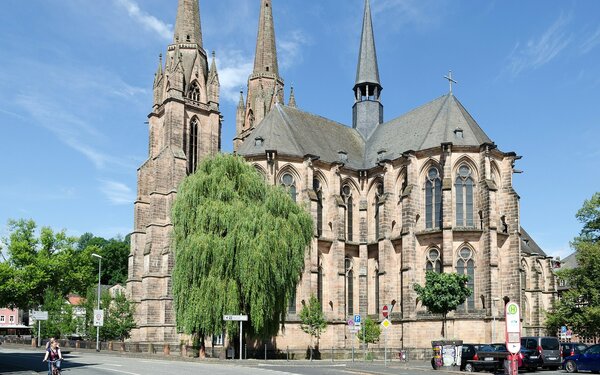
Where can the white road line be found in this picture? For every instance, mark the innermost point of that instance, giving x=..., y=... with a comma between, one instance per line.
x=112, y=364
x=119, y=371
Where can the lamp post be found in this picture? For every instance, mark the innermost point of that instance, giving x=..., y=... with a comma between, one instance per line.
x=98, y=327
x=494, y=299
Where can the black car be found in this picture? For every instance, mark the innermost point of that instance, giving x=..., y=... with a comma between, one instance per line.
x=545, y=349
x=469, y=351
x=571, y=348
x=528, y=359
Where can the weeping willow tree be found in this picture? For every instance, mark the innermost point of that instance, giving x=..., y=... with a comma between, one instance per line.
x=239, y=249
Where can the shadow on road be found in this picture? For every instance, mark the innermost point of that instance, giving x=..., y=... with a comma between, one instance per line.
x=14, y=363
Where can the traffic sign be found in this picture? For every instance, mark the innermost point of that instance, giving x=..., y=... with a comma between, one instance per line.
x=39, y=315
x=235, y=318
x=98, y=318
x=385, y=311
x=386, y=323
x=356, y=319
x=354, y=329
x=513, y=328
x=350, y=323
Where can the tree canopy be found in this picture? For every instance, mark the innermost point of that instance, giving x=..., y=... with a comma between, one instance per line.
x=443, y=292
x=313, y=319
x=239, y=248
x=579, y=306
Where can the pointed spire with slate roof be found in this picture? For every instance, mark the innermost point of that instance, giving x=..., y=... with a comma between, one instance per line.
x=187, y=25
x=265, y=60
x=292, y=102
x=367, y=110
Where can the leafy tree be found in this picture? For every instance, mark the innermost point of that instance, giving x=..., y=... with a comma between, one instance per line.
x=239, y=248
x=313, y=321
x=579, y=307
x=369, y=332
x=442, y=293
x=118, y=319
x=60, y=321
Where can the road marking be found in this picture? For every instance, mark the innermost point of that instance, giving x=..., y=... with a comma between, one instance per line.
x=113, y=364
x=122, y=372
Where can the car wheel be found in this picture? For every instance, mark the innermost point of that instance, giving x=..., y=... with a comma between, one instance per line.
x=469, y=367
x=433, y=364
x=571, y=366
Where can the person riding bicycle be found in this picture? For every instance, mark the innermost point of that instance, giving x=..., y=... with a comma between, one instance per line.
x=53, y=355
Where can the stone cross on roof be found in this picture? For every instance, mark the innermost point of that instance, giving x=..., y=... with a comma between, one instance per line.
x=450, y=80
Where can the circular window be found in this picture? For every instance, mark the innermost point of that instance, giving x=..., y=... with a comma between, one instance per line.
x=433, y=173
x=346, y=190
x=434, y=254
x=465, y=253
x=287, y=179
x=464, y=171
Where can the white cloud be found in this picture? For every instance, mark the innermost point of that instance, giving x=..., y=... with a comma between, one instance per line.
x=540, y=51
x=150, y=22
x=234, y=69
x=591, y=42
x=290, y=48
x=117, y=192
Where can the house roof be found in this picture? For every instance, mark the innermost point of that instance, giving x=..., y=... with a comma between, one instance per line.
x=529, y=246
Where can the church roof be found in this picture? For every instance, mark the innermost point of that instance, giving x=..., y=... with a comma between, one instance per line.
x=529, y=246
x=294, y=132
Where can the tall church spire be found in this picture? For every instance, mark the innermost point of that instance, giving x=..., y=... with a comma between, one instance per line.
x=265, y=60
x=187, y=25
x=265, y=86
x=367, y=112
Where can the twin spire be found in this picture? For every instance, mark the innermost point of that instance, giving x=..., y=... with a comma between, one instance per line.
x=265, y=59
x=187, y=24
x=367, y=70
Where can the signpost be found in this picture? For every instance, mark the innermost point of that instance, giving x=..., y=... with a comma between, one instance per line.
x=39, y=316
x=385, y=311
x=513, y=335
x=237, y=318
x=385, y=324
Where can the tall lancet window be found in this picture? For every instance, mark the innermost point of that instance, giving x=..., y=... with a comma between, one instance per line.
x=288, y=181
x=433, y=199
x=320, y=282
x=434, y=261
x=466, y=266
x=292, y=303
x=319, y=193
x=194, y=92
x=193, y=147
x=347, y=196
x=463, y=186
x=376, y=288
x=349, y=286
x=378, y=203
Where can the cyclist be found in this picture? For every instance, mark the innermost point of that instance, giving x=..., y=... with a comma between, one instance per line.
x=54, y=356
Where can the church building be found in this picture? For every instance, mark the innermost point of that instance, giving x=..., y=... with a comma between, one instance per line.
x=391, y=199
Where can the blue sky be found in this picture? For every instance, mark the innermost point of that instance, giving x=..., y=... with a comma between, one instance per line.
x=76, y=78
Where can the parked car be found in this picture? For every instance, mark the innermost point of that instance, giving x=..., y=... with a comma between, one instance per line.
x=546, y=349
x=571, y=348
x=486, y=358
x=588, y=360
x=469, y=352
x=527, y=358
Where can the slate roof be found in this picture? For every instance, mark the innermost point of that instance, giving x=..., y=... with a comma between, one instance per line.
x=367, y=70
x=529, y=246
x=570, y=262
x=294, y=132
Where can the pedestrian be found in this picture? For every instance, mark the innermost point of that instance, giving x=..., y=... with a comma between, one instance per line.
x=53, y=354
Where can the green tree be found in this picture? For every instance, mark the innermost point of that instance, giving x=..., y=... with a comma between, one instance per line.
x=60, y=321
x=579, y=307
x=239, y=249
x=313, y=321
x=369, y=332
x=118, y=320
x=442, y=293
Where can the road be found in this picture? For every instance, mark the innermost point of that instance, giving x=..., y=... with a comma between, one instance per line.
x=21, y=361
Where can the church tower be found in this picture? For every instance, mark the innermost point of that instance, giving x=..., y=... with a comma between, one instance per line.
x=367, y=111
x=184, y=127
x=265, y=86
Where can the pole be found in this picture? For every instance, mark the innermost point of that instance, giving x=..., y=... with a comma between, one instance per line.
x=241, y=335
x=364, y=343
x=385, y=348
x=39, y=333
x=98, y=327
x=353, y=337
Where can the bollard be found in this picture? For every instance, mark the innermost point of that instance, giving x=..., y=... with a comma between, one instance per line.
x=265, y=352
x=332, y=354
x=167, y=349
x=287, y=353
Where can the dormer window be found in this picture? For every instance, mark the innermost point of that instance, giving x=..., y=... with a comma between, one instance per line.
x=342, y=156
x=258, y=141
x=381, y=155
x=458, y=133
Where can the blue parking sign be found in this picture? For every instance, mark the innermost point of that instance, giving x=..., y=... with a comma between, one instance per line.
x=356, y=319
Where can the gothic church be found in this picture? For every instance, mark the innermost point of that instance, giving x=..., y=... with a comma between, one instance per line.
x=428, y=190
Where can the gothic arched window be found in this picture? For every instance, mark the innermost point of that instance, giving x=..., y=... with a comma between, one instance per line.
x=192, y=155
x=320, y=283
x=347, y=196
x=292, y=303
x=319, y=193
x=378, y=202
x=288, y=181
x=434, y=261
x=466, y=266
x=433, y=199
x=376, y=290
x=194, y=93
x=349, y=286
x=463, y=185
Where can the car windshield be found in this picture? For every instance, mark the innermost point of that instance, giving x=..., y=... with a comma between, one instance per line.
x=581, y=347
x=486, y=348
x=550, y=344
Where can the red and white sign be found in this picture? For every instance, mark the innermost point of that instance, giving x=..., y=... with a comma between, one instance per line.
x=98, y=318
x=385, y=311
x=513, y=327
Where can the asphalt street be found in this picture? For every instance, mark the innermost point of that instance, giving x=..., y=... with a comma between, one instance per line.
x=15, y=360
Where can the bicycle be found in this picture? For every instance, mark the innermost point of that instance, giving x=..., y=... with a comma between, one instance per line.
x=54, y=369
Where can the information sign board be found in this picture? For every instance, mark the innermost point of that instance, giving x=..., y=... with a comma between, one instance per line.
x=235, y=318
x=98, y=318
x=513, y=327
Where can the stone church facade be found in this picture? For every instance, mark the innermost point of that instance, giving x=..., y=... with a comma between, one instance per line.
x=390, y=199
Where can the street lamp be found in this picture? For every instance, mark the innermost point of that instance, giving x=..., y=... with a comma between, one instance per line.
x=494, y=312
x=98, y=327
